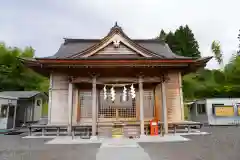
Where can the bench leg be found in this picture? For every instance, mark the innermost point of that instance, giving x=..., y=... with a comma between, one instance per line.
x=73, y=133
x=43, y=130
x=189, y=128
x=58, y=131
x=30, y=131
x=161, y=130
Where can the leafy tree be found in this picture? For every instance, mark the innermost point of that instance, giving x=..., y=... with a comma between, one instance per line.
x=171, y=41
x=238, y=52
x=217, y=51
x=186, y=43
x=181, y=42
x=14, y=75
x=162, y=35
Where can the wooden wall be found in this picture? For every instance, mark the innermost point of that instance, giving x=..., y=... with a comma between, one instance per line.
x=175, y=112
x=59, y=102
x=158, y=102
x=173, y=93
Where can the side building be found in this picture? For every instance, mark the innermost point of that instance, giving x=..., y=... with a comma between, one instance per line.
x=215, y=111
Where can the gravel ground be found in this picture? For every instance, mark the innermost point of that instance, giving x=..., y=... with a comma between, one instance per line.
x=15, y=148
x=222, y=144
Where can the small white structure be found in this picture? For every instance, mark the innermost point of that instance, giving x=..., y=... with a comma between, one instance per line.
x=20, y=107
x=215, y=111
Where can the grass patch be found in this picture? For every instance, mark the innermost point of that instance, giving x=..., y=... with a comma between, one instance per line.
x=45, y=109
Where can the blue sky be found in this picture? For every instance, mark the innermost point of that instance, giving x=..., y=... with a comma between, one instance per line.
x=43, y=24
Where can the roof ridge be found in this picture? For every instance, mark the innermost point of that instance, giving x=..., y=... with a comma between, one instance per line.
x=74, y=40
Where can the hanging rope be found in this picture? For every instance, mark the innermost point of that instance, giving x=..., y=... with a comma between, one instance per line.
x=119, y=84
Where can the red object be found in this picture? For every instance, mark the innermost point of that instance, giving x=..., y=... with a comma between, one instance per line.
x=153, y=127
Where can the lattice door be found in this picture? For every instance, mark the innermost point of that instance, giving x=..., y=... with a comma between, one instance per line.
x=85, y=104
x=148, y=104
x=117, y=110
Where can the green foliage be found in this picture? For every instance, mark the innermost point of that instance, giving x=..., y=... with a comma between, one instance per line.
x=14, y=75
x=213, y=83
x=162, y=35
x=204, y=83
x=238, y=52
x=181, y=42
x=45, y=109
x=217, y=51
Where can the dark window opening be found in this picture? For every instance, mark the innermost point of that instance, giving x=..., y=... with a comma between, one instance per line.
x=3, y=111
x=201, y=108
x=38, y=102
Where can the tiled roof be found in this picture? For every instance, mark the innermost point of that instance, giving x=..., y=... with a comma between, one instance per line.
x=19, y=94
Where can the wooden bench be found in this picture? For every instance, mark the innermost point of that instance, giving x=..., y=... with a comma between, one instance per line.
x=43, y=128
x=187, y=125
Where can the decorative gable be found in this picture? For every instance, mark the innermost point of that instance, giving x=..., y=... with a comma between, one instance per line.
x=117, y=50
x=117, y=44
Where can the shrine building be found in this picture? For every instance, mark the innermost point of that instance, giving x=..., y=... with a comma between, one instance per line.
x=115, y=79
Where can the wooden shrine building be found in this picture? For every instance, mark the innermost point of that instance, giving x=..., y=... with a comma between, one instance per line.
x=115, y=79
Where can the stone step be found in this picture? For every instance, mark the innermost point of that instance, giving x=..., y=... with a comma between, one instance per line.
x=131, y=131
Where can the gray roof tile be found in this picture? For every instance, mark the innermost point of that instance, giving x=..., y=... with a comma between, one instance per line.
x=19, y=94
x=73, y=46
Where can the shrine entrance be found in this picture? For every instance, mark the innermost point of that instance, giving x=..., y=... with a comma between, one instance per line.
x=118, y=109
x=117, y=105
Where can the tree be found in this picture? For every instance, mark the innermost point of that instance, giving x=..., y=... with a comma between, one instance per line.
x=171, y=41
x=181, y=42
x=205, y=83
x=14, y=75
x=162, y=36
x=238, y=52
x=186, y=45
x=217, y=51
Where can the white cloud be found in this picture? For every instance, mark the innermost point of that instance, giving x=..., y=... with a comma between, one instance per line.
x=43, y=24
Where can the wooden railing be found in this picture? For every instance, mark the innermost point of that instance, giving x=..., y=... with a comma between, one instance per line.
x=85, y=131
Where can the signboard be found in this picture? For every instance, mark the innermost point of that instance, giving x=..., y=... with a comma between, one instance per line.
x=224, y=111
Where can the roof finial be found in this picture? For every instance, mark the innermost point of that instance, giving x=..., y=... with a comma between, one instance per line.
x=116, y=25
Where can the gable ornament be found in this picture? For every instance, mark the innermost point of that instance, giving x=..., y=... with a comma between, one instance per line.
x=116, y=43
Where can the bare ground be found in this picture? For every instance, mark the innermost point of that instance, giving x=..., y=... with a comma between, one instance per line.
x=222, y=144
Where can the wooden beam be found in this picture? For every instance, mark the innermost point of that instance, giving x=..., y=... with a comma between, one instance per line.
x=181, y=96
x=94, y=107
x=156, y=104
x=137, y=106
x=78, y=110
x=164, y=107
x=70, y=107
x=141, y=97
x=116, y=80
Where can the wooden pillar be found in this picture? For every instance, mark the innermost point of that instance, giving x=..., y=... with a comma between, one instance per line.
x=14, y=116
x=196, y=108
x=157, y=103
x=141, y=106
x=70, y=107
x=94, y=107
x=78, y=111
x=50, y=98
x=164, y=107
x=181, y=96
x=137, y=106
